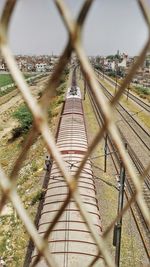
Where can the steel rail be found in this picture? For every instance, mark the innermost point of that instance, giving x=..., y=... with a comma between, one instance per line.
x=135, y=160
x=133, y=156
x=117, y=167
x=133, y=122
x=115, y=157
x=136, y=99
x=128, y=180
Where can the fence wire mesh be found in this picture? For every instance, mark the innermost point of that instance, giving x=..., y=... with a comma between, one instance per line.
x=7, y=183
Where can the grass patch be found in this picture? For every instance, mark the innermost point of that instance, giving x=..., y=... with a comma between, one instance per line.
x=34, y=166
x=25, y=119
x=8, y=90
x=6, y=79
x=142, y=92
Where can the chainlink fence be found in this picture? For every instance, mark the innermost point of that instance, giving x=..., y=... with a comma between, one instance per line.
x=74, y=44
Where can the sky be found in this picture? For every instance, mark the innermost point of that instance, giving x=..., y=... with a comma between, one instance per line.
x=111, y=25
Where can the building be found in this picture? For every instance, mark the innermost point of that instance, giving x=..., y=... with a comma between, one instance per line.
x=123, y=63
x=40, y=67
x=3, y=66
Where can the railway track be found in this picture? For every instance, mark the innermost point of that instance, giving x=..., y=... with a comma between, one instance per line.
x=143, y=228
x=142, y=134
x=139, y=166
x=137, y=100
x=140, y=222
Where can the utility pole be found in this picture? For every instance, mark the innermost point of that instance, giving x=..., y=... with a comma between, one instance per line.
x=116, y=83
x=128, y=91
x=80, y=73
x=105, y=153
x=116, y=66
x=118, y=226
x=103, y=69
x=84, y=88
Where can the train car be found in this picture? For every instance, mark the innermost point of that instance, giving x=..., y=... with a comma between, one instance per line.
x=70, y=241
x=73, y=92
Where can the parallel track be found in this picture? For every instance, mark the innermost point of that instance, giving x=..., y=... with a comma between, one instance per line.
x=142, y=134
x=142, y=226
x=138, y=165
x=138, y=101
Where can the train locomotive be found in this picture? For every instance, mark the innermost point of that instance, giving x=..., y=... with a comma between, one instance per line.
x=70, y=241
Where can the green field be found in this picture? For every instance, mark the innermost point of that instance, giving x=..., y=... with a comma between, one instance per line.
x=6, y=79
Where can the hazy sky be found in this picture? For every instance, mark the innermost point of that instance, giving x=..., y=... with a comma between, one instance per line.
x=37, y=28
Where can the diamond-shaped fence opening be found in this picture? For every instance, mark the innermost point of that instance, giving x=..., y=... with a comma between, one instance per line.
x=73, y=198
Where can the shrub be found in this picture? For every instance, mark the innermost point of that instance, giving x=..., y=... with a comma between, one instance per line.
x=34, y=166
x=64, y=75
x=62, y=79
x=143, y=90
x=61, y=89
x=66, y=71
x=16, y=132
x=25, y=118
x=37, y=197
x=112, y=73
x=60, y=100
x=99, y=67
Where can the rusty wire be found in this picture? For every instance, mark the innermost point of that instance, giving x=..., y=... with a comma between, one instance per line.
x=40, y=126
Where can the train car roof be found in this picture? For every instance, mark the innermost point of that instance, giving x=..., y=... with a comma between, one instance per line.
x=73, y=92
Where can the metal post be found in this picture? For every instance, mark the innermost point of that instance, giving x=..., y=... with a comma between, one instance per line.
x=118, y=226
x=103, y=70
x=128, y=92
x=116, y=66
x=105, y=152
x=80, y=73
x=116, y=83
x=84, y=88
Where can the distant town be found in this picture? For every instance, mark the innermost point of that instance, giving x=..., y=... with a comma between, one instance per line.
x=116, y=65
x=119, y=64
x=26, y=63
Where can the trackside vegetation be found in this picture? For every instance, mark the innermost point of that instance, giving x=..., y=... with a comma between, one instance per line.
x=24, y=116
x=25, y=119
